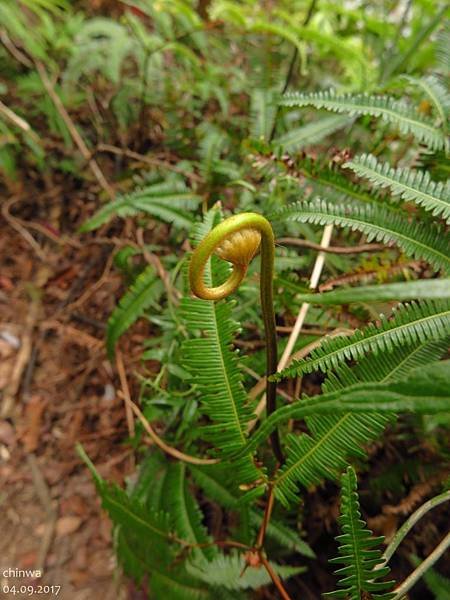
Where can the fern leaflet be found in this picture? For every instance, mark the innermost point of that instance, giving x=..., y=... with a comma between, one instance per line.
x=437, y=92
x=334, y=438
x=168, y=201
x=411, y=323
x=358, y=551
x=311, y=133
x=387, y=108
x=402, y=290
x=423, y=240
x=187, y=515
x=263, y=112
x=416, y=186
x=144, y=292
x=230, y=572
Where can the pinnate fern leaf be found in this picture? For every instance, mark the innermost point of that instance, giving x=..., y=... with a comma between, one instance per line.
x=146, y=541
x=358, y=551
x=415, y=186
x=335, y=438
x=401, y=290
x=169, y=201
x=424, y=391
x=438, y=93
x=228, y=571
x=262, y=113
x=187, y=516
x=386, y=107
x=214, y=368
x=415, y=322
x=311, y=133
x=422, y=240
x=144, y=292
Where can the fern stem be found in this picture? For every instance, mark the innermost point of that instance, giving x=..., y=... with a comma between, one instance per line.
x=242, y=250
x=410, y=581
x=275, y=579
x=409, y=524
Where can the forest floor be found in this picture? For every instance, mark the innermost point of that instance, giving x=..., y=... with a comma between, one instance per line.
x=57, y=388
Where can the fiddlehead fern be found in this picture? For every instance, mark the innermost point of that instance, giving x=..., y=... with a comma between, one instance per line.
x=237, y=240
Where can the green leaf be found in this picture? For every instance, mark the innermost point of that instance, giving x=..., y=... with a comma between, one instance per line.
x=336, y=437
x=216, y=483
x=228, y=571
x=405, y=290
x=415, y=186
x=144, y=292
x=424, y=321
x=436, y=91
x=311, y=133
x=359, y=552
x=169, y=201
x=387, y=108
x=179, y=501
x=426, y=391
x=420, y=239
x=262, y=113
x=145, y=542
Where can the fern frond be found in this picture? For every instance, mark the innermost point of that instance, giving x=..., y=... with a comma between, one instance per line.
x=387, y=367
x=186, y=514
x=143, y=526
x=358, y=551
x=170, y=202
x=437, y=93
x=425, y=391
x=230, y=572
x=402, y=290
x=212, y=144
x=311, y=133
x=262, y=113
x=101, y=45
x=146, y=544
x=217, y=481
x=213, y=365
x=416, y=186
x=443, y=49
x=411, y=323
x=324, y=453
x=335, y=438
x=423, y=240
x=142, y=294
x=386, y=107
x=214, y=369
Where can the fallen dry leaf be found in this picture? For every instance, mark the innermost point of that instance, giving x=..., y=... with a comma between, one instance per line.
x=34, y=411
x=67, y=525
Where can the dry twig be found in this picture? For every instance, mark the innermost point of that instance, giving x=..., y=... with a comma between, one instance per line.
x=125, y=392
x=332, y=249
x=161, y=443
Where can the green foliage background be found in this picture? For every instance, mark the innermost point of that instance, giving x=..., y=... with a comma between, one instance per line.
x=311, y=113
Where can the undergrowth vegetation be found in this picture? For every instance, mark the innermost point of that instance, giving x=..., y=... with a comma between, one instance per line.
x=331, y=120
